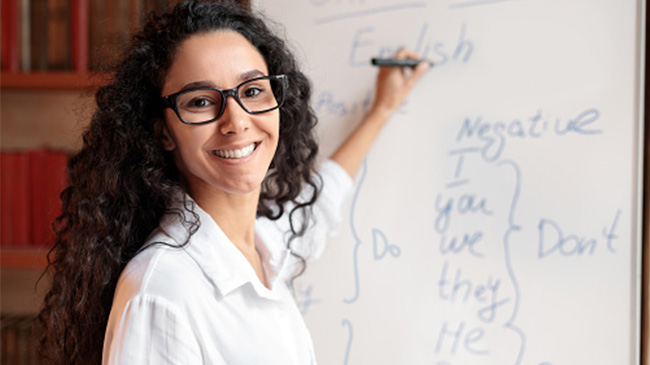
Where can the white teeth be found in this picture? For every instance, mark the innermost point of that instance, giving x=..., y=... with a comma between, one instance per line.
x=240, y=153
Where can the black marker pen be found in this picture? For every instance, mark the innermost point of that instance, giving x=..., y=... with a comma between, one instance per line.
x=398, y=62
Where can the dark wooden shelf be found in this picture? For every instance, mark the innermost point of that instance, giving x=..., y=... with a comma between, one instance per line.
x=24, y=258
x=53, y=80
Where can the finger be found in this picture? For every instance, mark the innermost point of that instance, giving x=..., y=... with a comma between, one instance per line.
x=417, y=73
x=404, y=53
x=420, y=69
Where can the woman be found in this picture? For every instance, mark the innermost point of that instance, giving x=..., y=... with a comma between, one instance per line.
x=196, y=189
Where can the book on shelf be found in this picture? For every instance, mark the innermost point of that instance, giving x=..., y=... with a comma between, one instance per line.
x=70, y=35
x=7, y=187
x=19, y=339
x=14, y=191
x=10, y=35
x=79, y=35
x=31, y=185
x=38, y=36
x=25, y=35
x=112, y=25
x=49, y=35
x=58, y=35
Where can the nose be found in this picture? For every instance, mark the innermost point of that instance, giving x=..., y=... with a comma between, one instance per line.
x=234, y=120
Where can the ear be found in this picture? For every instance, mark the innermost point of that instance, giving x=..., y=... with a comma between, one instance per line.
x=166, y=139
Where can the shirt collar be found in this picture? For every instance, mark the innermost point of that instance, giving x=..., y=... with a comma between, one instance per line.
x=217, y=256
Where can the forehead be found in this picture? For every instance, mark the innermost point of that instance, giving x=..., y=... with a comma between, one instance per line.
x=220, y=58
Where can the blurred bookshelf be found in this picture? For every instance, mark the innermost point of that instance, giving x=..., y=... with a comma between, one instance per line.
x=22, y=258
x=52, y=45
x=53, y=80
x=19, y=342
x=57, y=46
x=67, y=44
x=51, y=50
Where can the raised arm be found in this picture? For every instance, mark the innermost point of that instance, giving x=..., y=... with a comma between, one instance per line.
x=393, y=86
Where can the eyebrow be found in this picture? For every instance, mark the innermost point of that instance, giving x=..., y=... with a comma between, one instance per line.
x=248, y=75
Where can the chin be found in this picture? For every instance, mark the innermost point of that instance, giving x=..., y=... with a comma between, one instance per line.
x=241, y=187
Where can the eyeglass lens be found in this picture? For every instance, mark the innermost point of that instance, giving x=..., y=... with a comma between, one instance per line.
x=255, y=96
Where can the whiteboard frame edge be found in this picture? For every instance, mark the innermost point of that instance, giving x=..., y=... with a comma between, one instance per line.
x=642, y=275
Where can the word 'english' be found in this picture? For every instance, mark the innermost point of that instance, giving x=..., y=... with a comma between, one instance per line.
x=364, y=46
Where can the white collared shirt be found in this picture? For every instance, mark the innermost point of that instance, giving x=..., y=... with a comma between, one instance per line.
x=204, y=304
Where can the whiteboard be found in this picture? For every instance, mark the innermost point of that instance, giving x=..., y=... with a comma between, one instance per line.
x=496, y=220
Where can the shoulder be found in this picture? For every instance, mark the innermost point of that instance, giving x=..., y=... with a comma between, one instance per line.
x=149, y=330
x=164, y=270
x=150, y=307
x=161, y=270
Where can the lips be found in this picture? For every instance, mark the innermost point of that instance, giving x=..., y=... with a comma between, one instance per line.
x=236, y=154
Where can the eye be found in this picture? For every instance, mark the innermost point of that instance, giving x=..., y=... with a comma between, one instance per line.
x=199, y=103
x=252, y=91
x=198, y=100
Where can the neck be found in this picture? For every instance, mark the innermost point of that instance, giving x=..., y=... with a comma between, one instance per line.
x=234, y=213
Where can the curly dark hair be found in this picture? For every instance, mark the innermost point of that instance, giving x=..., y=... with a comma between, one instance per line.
x=122, y=182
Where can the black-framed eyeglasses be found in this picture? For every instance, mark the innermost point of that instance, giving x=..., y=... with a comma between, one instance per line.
x=207, y=104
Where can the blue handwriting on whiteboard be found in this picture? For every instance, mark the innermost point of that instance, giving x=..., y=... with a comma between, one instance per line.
x=472, y=339
x=349, y=15
x=439, y=52
x=365, y=44
x=553, y=240
x=494, y=135
x=463, y=204
x=455, y=287
x=381, y=246
x=346, y=322
x=513, y=227
x=304, y=299
x=455, y=245
x=357, y=239
x=459, y=289
x=326, y=104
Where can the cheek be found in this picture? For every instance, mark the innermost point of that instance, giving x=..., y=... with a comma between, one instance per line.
x=274, y=125
x=191, y=137
x=189, y=143
x=277, y=140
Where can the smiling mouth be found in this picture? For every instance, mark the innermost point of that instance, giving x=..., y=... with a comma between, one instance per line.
x=235, y=154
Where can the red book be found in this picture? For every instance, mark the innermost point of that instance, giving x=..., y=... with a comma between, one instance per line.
x=40, y=227
x=56, y=182
x=7, y=166
x=79, y=34
x=16, y=207
x=58, y=35
x=21, y=202
x=4, y=57
x=10, y=38
x=38, y=35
